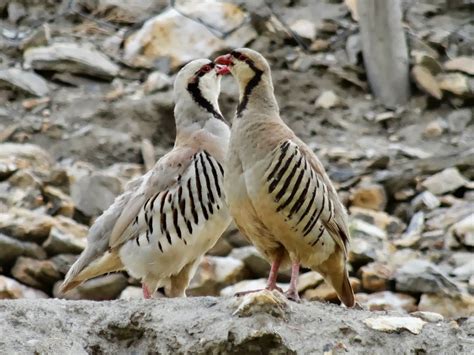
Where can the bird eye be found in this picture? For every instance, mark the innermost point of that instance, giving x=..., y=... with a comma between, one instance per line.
x=206, y=68
x=239, y=56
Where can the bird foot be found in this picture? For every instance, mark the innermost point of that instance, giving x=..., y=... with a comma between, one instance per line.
x=293, y=295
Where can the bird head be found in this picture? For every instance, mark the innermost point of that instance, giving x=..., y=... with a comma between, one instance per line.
x=198, y=84
x=244, y=63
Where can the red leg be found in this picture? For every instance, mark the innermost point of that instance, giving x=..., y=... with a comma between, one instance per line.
x=272, y=277
x=292, y=292
x=146, y=291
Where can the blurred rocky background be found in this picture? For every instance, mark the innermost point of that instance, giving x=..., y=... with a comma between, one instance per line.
x=86, y=105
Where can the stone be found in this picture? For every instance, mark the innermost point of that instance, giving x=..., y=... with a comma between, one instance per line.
x=221, y=248
x=375, y=276
x=380, y=219
x=26, y=225
x=10, y=249
x=66, y=236
x=426, y=201
x=430, y=317
x=396, y=324
x=445, y=181
x=464, y=272
x=57, y=202
x=427, y=61
x=94, y=193
x=38, y=37
x=371, y=196
x=413, y=233
x=304, y=28
x=23, y=189
x=325, y=292
x=433, y=129
x=23, y=81
x=123, y=11
x=101, y=288
x=266, y=302
x=215, y=273
x=27, y=156
x=455, y=83
x=362, y=227
x=63, y=262
x=12, y=289
x=361, y=252
x=328, y=99
x=307, y=280
x=175, y=39
x=387, y=301
x=41, y=274
x=71, y=58
x=459, y=119
x=131, y=293
x=450, y=307
x=426, y=82
x=463, y=64
x=156, y=81
x=253, y=260
x=470, y=285
x=247, y=285
x=422, y=276
x=206, y=325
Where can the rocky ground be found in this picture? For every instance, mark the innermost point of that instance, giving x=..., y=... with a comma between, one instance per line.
x=262, y=324
x=86, y=106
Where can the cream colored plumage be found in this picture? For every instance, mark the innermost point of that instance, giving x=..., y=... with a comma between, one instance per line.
x=166, y=220
x=277, y=190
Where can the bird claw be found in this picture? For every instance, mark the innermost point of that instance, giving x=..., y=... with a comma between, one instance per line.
x=293, y=295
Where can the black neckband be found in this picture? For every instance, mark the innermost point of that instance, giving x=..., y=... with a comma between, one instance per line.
x=193, y=89
x=250, y=86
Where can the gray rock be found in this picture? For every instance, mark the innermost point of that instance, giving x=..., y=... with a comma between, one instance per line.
x=255, y=262
x=12, y=289
x=40, y=274
x=206, y=326
x=101, y=288
x=445, y=181
x=392, y=324
x=63, y=262
x=156, y=81
x=10, y=249
x=455, y=306
x=26, y=225
x=71, y=58
x=459, y=119
x=24, y=81
x=464, y=272
x=215, y=273
x=66, y=236
x=27, y=156
x=422, y=276
x=93, y=193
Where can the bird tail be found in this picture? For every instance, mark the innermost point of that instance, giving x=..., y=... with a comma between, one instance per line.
x=335, y=273
x=85, y=268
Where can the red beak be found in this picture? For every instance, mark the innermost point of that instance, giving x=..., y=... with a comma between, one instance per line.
x=222, y=69
x=225, y=59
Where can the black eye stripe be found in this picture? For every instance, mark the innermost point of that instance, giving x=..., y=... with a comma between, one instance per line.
x=202, y=72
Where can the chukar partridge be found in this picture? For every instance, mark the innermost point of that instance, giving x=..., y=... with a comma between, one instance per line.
x=160, y=227
x=276, y=188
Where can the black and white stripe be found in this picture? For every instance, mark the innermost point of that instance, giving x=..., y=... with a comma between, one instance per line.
x=299, y=192
x=177, y=213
